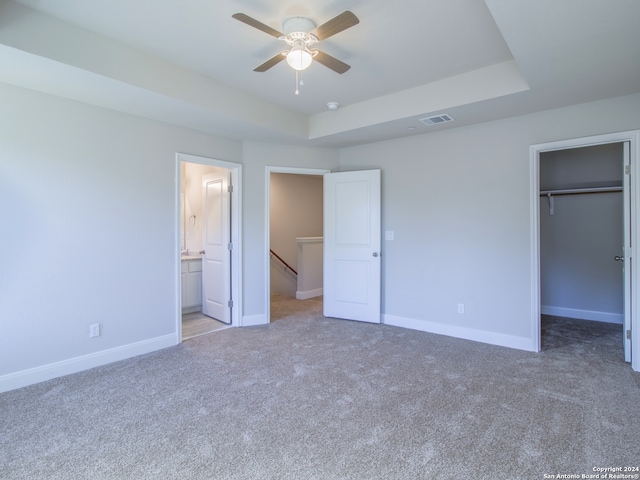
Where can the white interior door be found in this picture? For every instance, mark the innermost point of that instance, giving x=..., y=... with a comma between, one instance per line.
x=352, y=245
x=216, y=261
x=628, y=258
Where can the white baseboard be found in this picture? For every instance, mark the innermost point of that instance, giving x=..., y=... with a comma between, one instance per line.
x=192, y=309
x=253, y=320
x=316, y=292
x=582, y=314
x=492, y=338
x=43, y=373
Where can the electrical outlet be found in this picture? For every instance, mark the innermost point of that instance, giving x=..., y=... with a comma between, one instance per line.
x=461, y=308
x=94, y=330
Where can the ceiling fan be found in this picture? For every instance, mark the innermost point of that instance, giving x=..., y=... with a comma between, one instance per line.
x=300, y=34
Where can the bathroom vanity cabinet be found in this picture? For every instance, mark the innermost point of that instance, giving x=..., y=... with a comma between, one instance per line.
x=191, y=277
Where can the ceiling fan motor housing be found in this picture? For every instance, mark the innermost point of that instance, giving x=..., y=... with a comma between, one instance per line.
x=297, y=33
x=297, y=24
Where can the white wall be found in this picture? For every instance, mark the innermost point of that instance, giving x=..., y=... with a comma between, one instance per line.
x=282, y=281
x=310, y=268
x=458, y=202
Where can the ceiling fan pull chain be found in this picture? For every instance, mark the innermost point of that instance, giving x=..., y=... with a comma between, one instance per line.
x=297, y=91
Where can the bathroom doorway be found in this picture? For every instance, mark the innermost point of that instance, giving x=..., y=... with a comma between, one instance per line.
x=209, y=245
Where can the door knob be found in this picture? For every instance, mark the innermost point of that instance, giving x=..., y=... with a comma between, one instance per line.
x=375, y=254
x=618, y=258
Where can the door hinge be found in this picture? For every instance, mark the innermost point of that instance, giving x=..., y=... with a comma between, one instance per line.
x=629, y=334
x=230, y=304
x=627, y=170
x=230, y=188
x=230, y=246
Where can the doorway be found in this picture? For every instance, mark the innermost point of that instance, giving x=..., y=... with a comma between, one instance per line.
x=351, y=266
x=581, y=238
x=624, y=183
x=283, y=227
x=208, y=245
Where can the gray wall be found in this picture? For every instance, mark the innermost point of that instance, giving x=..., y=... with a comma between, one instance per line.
x=89, y=231
x=89, y=228
x=88, y=202
x=459, y=203
x=257, y=156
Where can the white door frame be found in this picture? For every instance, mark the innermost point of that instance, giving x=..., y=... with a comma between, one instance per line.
x=236, y=236
x=633, y=137
x=267, y=223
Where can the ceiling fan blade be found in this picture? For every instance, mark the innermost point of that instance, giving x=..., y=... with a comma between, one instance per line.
x=270, y=63
x=336, y=25
x=256, y=24
x=331, y=62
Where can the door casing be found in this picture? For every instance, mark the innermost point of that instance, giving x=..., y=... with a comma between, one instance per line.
x=633, y=137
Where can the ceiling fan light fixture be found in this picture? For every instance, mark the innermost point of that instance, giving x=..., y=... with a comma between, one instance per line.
x=301, y=34
x=299, y=58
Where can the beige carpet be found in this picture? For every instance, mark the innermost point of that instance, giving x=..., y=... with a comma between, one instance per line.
x=308, y=397
x=283, y=307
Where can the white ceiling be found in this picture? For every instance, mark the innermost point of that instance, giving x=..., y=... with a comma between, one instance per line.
x=188, y=62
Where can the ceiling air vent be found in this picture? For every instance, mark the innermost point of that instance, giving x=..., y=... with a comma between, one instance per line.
x=436, y=119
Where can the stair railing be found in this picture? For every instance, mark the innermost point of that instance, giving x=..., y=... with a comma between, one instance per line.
x=287, y=266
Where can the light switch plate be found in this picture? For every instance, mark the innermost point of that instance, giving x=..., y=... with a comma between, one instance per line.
x=388, y=235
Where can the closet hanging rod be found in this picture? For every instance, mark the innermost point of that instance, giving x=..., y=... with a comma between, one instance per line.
x=577, y=191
